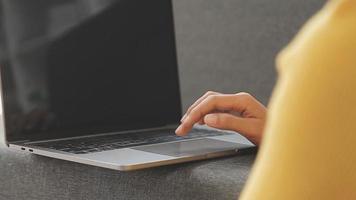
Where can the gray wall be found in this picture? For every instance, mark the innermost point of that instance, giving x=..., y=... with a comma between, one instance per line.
x=230, y=45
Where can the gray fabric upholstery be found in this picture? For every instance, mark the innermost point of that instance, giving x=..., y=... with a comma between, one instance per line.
x=32, y=177
x=230, y=45
x=225, y=45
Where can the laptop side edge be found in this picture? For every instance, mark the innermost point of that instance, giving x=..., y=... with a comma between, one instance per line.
x=3, y=138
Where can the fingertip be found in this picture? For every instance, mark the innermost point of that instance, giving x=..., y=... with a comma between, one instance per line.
x=179, y=131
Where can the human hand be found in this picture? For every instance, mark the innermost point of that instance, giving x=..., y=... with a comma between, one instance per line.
x=239, y=112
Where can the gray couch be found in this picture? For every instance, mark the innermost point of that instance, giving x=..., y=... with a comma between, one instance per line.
x=226, y=45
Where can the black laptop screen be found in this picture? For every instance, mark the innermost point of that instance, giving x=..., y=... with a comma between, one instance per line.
x=73, y=67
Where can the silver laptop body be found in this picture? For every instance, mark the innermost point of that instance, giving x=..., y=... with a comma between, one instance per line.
x=98, y=84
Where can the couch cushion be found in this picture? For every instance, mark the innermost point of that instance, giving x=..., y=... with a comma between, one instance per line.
x=27, y=176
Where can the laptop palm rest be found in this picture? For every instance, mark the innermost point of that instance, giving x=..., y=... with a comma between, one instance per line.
x=190, y=147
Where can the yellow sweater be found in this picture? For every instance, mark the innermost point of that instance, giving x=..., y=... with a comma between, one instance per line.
x=309, y=148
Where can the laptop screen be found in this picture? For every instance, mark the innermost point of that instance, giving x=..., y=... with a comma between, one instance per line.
x=73, y=67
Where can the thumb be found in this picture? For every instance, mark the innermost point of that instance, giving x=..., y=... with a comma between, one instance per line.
x=227, y=122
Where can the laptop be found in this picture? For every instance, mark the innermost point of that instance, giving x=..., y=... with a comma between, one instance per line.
x=97, y=83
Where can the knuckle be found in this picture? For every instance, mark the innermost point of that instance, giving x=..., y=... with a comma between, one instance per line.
x=212, y=98
x=211, y=101
x=244, y=96
x=210, y=92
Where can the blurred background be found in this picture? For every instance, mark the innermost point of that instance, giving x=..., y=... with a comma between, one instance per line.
x=230, y=45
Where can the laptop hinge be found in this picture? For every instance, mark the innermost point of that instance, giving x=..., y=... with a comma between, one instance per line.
x=170, y=126
x=19, y=142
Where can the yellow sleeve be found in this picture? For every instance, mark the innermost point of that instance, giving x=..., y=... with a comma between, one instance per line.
x=309, y=147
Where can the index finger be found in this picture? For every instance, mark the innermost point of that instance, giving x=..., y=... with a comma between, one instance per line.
x=212, y=103
x=197, y=102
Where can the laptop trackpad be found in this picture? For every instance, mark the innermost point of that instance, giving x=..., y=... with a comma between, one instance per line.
x=189, y=147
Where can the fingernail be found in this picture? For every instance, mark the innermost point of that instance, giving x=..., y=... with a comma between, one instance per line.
x=184, y=116
x=210, y=119
x=178, y=130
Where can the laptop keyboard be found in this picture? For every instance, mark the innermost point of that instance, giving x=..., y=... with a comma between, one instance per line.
x=117, y=141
